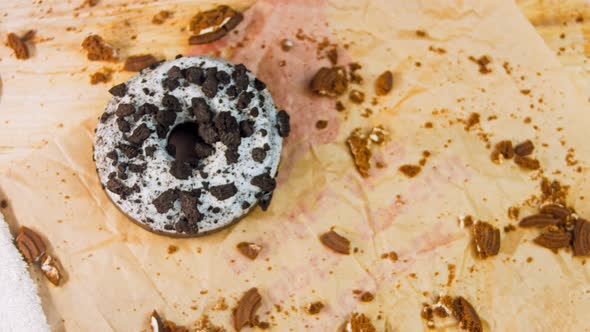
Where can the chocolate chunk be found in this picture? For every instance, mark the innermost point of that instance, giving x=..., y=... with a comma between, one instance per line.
x=524, y=149
x=231, y=155
x=171, y=103
x=140, y=134
x=201, y=110
x=149, y=151
x=180, y=170
x=231, y=92
x=208, y=133
x=129, y=151
x=223, y=191
x=165, y=200
x=170, y=84
x=203, y=150
x=117, y=187
x=259, y=85
x=244, y=100
x=246, y=128
x=161, y=131
x=137, y=168
x=258, y=154
x=283, y=123
x=209, y=86
x=105, y=116
x=123, y=125
x=254, y=112
x=264, y=181
x=118, y=90
x=148, y=108
x=125, y=110
x=166, y=118
x=223, y=77
x=189, y=206
x=264, y=200
x=174, y=73
x=195, y=75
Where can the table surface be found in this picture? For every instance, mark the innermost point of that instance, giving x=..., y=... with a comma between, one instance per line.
x=44, y=96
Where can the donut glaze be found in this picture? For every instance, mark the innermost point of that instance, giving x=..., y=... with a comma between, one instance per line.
x=233, y=158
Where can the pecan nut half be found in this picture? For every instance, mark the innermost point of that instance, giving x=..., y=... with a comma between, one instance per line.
x=486, y=239
x=30, y=244
x=336, y=242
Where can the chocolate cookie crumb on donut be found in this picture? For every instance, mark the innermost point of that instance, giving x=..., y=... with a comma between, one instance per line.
x=181, y=157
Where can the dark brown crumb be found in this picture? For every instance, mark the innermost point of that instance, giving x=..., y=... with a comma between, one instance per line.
x=410, y=170
x=367, y=297
x=428, y=125
x=330, y=82
x=525, y=91
x=529, y=259
x=483, y=62
x=356, y=96
x=437, y=50
x=509, y=228
x=392, y=255
x=3, y=204
x=321, y=124
x=18, y=45
x=172, y=249
x=161, y=17
x=103, y=76
x=339, y=106
x=332, y=55
x=524, y=149
x=98, y=49
x=472, y=121
x=315, y=308
x=527, y=163
x=513, y=212
x=421, y=33
x=384, y=83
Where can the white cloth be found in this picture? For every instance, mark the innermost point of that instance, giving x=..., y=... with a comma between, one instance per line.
x=20, y=306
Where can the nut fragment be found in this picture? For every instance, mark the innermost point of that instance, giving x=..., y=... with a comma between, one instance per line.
x=367, y=297
x=50, y=269
x=464, y=312
x=245, y=311
x=156, y=322
x=384, y=83
x=331, y=82
x=359, y=147
x=410, y=170
x=30, y=244
x=18, y=46
x=211, y=25
x=553, y=238
x=98, y=49
x=558, y=211
x=314, y=308
x=249, y=249
x=538, y=220
x=524, y=149
x=581, y=235
x=527, y=163
x=502, y=150
x=139, y=62
x=359, y=323
x=486, y=239
x=336, y=242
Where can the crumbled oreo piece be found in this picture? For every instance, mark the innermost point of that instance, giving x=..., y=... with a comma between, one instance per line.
x=231, y=92
x=113, y=155
x=180, y=170
x=118, y=90
x=209, y=86
x=258, y=154
x=171, y=103
x=117, y=187
x=129, y=151
x=105, y=116
x=148, y=108
x=137, y=168
x=246, y=128
x=125, y=110
x=224, y=191
x=265, y=182
x=140, y=134
x=174, y=73
x=149, y=151
x=195, y=75
x=254, y=112
x=170, y=84
x=241, y=78
x=264, y=200
x=189, y=206
x=259, y=85
x=165, y=201
x=232, y=155
x=208, y=133
x=201, y=110
x=161, y=131
x=245, y=205
x=283, y=123
x=230, y=139
x=244, y=100
x=123, y=125
x=166, y=118
x=203, y=150
x=223, y=77
x=263, y=132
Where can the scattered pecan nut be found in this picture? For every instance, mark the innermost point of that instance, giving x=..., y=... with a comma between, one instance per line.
x=18, y=46
x=30, y=245
x=527, y=163
x=553, y=238
x=139, y=62
x=361, y=152
x=524, y=149
x=331, y=82
x=464, y=312
x=558, y=211
x=384, y=83
x=336, y=242
x=50, y=269
x=538, y=220
x=211, y=25
x=245, y=311
x=249, y=249
x=359, y=323
x=314, y=308
x=581, y=235
x=98, y=49
x=486, y=239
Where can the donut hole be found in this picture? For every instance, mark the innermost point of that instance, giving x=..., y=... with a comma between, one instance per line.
x=182, y=140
